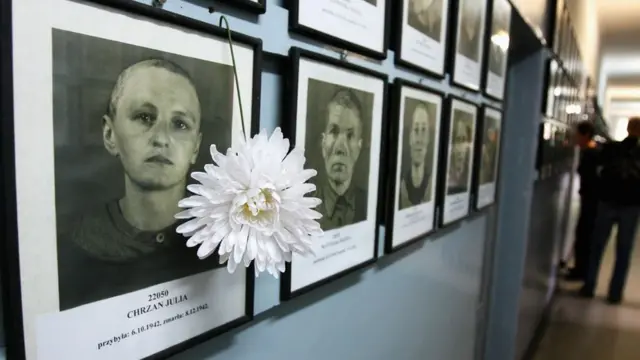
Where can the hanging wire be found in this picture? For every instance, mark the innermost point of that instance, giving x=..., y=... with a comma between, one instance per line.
x=223, y=19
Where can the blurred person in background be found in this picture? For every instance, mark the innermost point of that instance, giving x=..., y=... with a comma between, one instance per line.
x=619, y=203
x=587, y=169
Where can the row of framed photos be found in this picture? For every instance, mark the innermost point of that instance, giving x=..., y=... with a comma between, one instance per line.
x=565, y=43
x=563, y=100
x=423, y=37
x=555, y=148
x=441, y=162
x=104, y=128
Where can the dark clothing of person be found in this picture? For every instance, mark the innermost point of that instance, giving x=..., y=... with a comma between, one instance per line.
x=415, y=194
x=104, y=256
x=432, y=29
x=627, y=219
x=619, y=195
x=341, y=210
x=584, y=235
x=588, y=171
x=496, y=59
x=619, y=182
x=469, y=46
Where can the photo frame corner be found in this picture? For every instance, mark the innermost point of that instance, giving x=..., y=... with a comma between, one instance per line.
x=258, y=7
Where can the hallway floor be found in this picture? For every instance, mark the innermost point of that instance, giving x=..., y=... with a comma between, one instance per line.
x=591, y=329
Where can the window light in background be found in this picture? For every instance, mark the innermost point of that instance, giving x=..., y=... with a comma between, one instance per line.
x=501, y=40
x=621, y=129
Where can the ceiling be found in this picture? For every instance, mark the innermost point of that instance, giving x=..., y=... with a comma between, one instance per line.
x=618, y=17
x=619, y=79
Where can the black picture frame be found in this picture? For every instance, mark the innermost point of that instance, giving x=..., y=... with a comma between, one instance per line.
x=477, y=162
x=296, y=26
x=399, y=25
x=9, y=256
x=485, y=66
x=454, y=25
x=548, y=96
x=257, y=7
x=557, y=25
x=394, y=123
x=289, y=131
x=443, y=167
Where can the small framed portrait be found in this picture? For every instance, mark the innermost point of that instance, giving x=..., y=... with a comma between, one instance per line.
x=414, y=146
x=457, y=160
x=549, y=101
x=336, y=115
x=488, y=156
x=467, y=52
x=557, y=27
x=422, y=35
x=498, y=49
x=123, y=118
x=254, y=6
x=355, y=25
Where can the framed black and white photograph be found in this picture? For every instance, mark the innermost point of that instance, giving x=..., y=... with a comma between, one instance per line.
x=549, y=101
x=336, y=114
x=254, y=6
x=557, y=27
x=109, y=126
x=414, y=153
x=488, y=157
x=457, y=157
x=498, y=49
x=469, y=43
x=356, y=25
x=422, y=35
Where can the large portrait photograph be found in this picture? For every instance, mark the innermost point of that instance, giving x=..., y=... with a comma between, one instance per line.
x=337, y=117
x=469, y=45
x=338, y=139
x=355, y=25
x=498, y=49
x=127, y=133
x=417, y=114
x=489, y=156
x=462, y=129
x=422, y=35
x=124, y=120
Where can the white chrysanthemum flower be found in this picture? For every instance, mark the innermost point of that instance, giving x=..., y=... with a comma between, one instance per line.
x=251, y=205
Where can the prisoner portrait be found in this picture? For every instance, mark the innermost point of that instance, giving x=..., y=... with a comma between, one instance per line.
x=337, y=141
x=130, y=124
x=426, y=17
x=460, y=152
x=416, y=177
x=469, y=29
x=499, y=43
x=490, y=148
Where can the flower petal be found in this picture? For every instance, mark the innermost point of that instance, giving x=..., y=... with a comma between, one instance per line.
x=241, y=244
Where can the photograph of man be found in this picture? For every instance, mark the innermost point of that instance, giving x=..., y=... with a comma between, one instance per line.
x=498, y=46
x=460, y=156
x=469, y=36
x=426, y=17
x=490, y=148
x=341, y=117
x=417, y=153
x=116, y=225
